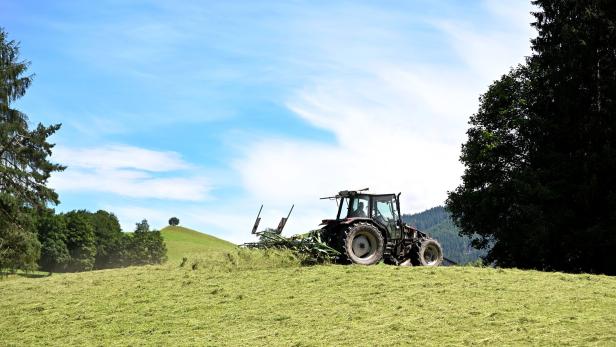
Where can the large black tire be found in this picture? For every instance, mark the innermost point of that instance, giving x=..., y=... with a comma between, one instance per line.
x=430, y=253
x=363, y=244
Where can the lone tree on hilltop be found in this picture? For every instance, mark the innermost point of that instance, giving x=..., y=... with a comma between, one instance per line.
x=24, y=165
x=174, y=221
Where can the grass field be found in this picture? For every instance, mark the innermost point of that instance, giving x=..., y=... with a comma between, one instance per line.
x=182, y=241
x=243, y=297
x=223, y=295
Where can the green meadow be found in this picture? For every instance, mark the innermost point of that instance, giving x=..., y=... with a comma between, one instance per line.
x=231, y=296
x=183, y=242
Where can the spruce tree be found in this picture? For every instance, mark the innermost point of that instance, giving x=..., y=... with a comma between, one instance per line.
x=24, y=164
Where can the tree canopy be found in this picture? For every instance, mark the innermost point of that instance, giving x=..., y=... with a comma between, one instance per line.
x=81, y=240
x=538, y=188
x=24, y=164
x=174, y=221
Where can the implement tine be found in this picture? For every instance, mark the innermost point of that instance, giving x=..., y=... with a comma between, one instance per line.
x=256, y=225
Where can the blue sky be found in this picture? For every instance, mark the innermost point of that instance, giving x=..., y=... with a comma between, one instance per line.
x=204, y=110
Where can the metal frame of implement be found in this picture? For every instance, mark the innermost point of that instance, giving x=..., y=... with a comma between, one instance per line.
x=281, y=224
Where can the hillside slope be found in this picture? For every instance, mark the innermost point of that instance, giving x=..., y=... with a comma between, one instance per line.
x=183, y=242
x=320, y=305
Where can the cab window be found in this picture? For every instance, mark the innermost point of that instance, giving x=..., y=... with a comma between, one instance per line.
x=383, y=211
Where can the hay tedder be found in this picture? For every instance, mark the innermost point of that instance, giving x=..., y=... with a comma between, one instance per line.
x=368, y=228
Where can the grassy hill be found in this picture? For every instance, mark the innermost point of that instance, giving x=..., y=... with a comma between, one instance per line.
x=182, y=242
x=236, y=298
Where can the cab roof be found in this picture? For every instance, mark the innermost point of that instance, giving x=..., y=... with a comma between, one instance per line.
x=351, y=193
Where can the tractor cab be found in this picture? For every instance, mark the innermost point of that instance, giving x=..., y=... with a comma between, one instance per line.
x=382, y=209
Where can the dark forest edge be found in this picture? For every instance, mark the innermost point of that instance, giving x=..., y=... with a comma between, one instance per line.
x=538, y=190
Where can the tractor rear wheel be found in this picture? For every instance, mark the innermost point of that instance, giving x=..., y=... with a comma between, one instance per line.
x=430, y=253
x=363, y=244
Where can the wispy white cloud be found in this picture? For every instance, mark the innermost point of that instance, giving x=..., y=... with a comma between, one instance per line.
x=394, y=89
x=398, y=115
x=127, y=171
x=398, y=125
x=120, y=157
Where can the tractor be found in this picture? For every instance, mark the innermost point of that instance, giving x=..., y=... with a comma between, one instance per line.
x=368, y=228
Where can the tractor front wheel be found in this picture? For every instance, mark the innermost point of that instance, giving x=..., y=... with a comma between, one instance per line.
x=363, y=244
x=430, y=253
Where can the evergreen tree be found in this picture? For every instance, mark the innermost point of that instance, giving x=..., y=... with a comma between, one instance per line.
x=24, y=168
x=19, y=247
x=541, y=153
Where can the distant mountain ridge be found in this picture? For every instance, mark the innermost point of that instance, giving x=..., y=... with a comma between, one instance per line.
x=438, y=224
